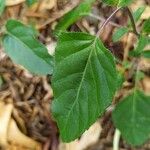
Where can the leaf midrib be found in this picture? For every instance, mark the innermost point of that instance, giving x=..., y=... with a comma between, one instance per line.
x=80, y=85
x=134, y=111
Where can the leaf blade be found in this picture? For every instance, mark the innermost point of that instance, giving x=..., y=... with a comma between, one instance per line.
x=85, y=66
x=143, y=41
x=2, y=6
x=131, y=117
x=111, y=2
x=123, y=3
x=146, y=54
x=21, y=45
x=119, y=33
x=72, y=16
x=119, y=3
x=138, y=13
x=146, y=26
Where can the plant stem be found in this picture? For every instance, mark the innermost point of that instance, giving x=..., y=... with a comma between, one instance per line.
x=132, y=21
x=103, y=19
x=110, y=17
x=136, y=73
x=107, y=21
x=116, y=140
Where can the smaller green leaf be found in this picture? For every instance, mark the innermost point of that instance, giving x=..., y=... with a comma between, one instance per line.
x=23, y=48
x=139, y=75
x=146, y=54
x=72, y=16
x=30, y=2
x=146, y=26
x=134, y=53
x=138, y=13
x=142, y=42
x=119, y=3
x=2, y=6
x=111, y=2
x=131, y=117
x=119, y=33
x=123, y=3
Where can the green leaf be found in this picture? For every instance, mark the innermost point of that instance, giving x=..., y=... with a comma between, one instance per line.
x=120, y=3
x=131, y=117
x=139, y=75
x=14, y=26
x=2, y=6
x=72, y=16
x=146, y=26
x=142, y=43
x=111, y=2
x=119, y=33
x=23, y=48
x=30, y=2
x=134, y=54
x=146, y=54
x=138, y=13
x=84, y=83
